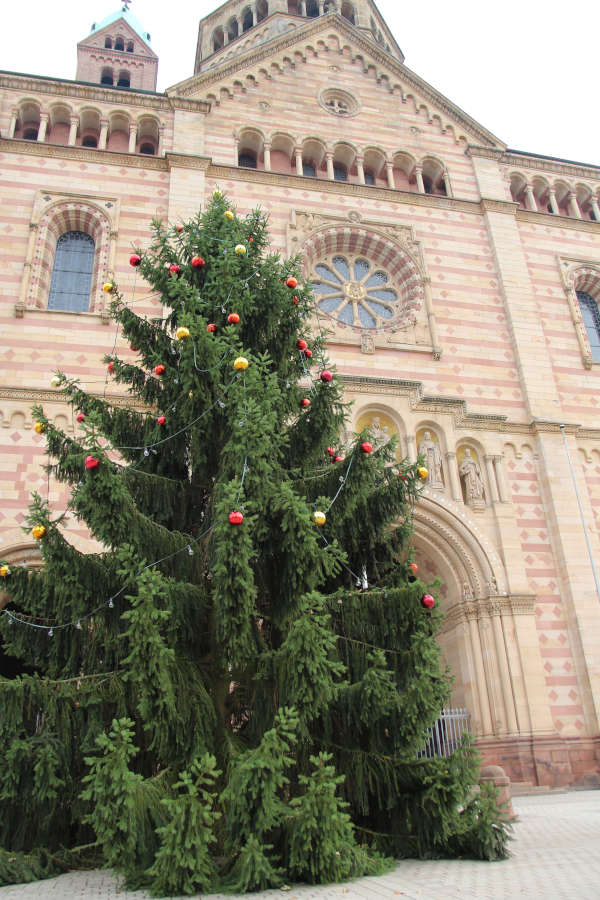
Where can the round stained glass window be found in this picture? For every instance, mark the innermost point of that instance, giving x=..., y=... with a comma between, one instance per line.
x=355, y=291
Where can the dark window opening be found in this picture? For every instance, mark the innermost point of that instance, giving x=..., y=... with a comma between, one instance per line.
x=248, y=21
x=124, y=80
x=427, y=184
x=107, y=77
x=369, y=178
x=339, y=173
x=130, y=47
x=591, y=319
x=72, y=272
x=108, y=43
x=147, y=149
x=312, y=9
x=233, y=30
x=262, y=10
x=89, y=141
x=309, y=170
x=247, y=160
x=30, y=134
x=119, y=44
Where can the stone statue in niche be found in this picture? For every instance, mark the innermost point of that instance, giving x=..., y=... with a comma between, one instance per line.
x=492, y=585
x=467, y=591
x=380, y=432
x=470, y=472
x=433, y=462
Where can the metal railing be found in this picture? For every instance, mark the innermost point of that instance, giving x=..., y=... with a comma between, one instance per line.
x=446, y=733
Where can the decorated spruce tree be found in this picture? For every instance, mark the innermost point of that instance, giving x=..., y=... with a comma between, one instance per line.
x=232, y=692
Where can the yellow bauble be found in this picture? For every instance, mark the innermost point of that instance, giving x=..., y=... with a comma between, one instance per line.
x=4, y=571
x=422, y=472
x=240, y=363
x=217, y=193
x=319, y=517
x=240, y=250
x=108, y=287
x=55, y=381
x=182, y=333
x=39, y=428
x=228, y=214
x=38, y=532
x=191, y=394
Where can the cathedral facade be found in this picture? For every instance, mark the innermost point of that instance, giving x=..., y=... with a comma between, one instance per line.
x=457, y=281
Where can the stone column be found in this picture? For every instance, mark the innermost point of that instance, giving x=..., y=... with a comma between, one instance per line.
x=447, y=184
x=492, y=674
x=411, y=445
x=574, y=206
x=491, y=474
x=161, y=140
x=301, y=8
x=103, y=134
x=480, y=678
x=454, y=480
x=595, y=208
x=360, y=169
x=531, y=198
x=503, y=493
x=74, y=125
x=267, y=152
x=507, y=693
x=43, y=127
x=329, y=158
x=298, y=152
x=14, y=115
x=321, y=7
x=133, y=130
x=419, y=177
x=389, y=168
x=553, y=203
x=437, y=350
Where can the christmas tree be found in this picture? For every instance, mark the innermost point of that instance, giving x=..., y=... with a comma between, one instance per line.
x=234, y=689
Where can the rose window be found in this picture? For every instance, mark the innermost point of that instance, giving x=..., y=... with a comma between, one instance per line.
x=355, y=291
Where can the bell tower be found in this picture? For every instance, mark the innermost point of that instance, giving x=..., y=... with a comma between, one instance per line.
x=117, y=53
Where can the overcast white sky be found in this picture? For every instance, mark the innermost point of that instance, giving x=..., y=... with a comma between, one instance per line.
x=528, y=72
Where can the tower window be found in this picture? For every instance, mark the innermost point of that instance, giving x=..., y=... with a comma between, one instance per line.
x=124, y=80
x=108, y=43
x=369, y=177
x=309, y=170
x=147, y=149
x=89, y=141
x=119, y=44
x=72, y=272
x=130, y=47
x=107, y=77
x=247, y=20
x=591, y=319
x=30, y=134
x=340, y=173
x=312, y=9
x=247, y=160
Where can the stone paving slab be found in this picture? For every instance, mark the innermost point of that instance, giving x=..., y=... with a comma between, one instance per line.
x=555, y=856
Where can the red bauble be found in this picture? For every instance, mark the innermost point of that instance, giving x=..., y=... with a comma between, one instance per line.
x=338, y=459
x=296, y=301
x=366, y=447
x=133, y=349
x=135, y=260
x=91, y=462
x=292, y=282
x=160, y=369
x=174, y=269
x=233, y=318
x=179, y=228
x=331, y=451
x=111, y=366
x=308, y=353
x=427, y=601
x=413, y=568
x=305, y=402
x=161, y=420
x=236, y=517
x=301, y=344
x=211, y=327
x=326, y=375
x=250, y=240
x=80, y=417
x=198, y=262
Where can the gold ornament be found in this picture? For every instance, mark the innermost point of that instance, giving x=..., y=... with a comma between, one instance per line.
x=240, y=364
x=191, y=394
x=240, y=250
x=108, y=287
x=38, y=532
x=39, y=428
x=217, y=193
x=422, y=472
x=4, y=571
x=228, y=214
x=182, y=333
x=55, y=381
x=319, y=517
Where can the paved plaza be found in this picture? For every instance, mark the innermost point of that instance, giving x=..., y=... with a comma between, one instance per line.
x=555, y=856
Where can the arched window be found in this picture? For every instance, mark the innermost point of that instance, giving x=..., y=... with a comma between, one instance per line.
x=124, y=80
x=369, y=177
x=72, y=272
x=348, y=12
x=130, y=46
x=247, y=20
x=147, y=148
x=89, y=141
x=119, y=44
x=107, y=77
x=218, y=39
x=340, y=173
x=247, y=160
x=262, y=10
x=232, y=29
x=591, y=320
x=30, y=134
x=312, y=9
x=108, y=43
x=293, y=8
x=309, y=170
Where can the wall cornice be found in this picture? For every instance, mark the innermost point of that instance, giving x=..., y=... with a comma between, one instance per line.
x=99, y=94
x=48, y=395
x=539, y=163
x=502, y=206
x=84, y=154
x=487, y=608
x=569, y=222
